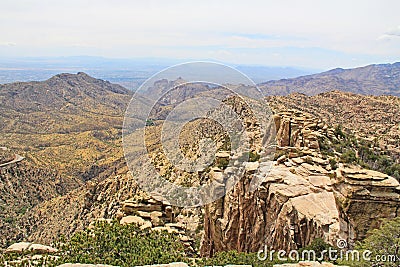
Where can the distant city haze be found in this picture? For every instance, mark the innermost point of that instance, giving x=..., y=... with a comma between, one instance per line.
x=130, y=73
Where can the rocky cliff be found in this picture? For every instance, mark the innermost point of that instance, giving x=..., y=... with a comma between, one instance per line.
x=304, y=196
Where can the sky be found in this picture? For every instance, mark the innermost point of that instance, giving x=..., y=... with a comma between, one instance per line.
x=317, y=34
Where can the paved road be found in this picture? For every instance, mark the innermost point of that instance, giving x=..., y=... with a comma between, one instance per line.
x=17, y=158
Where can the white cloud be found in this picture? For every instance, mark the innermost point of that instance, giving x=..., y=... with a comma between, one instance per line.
x=394, y=31
x=178, y=28
x=7, y=43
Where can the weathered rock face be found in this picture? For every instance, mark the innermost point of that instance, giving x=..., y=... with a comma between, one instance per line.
x=286, y=212
x=365, y=197
x=365, y=116
x=300, y=199
x=158, y=215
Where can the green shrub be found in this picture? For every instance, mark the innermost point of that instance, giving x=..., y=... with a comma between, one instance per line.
x=150, y=122
x=317, y=245
x=349, y=156
x=121, y=245
x=9, y=220
x=222, y=163
x=333, y=163
x=325, y=146
x=339, y=132
x=253, y=156
x=382, y=241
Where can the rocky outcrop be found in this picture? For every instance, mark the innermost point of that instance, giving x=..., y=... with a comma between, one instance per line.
x=31, y=247
x=300, y=199
x=156, y=215
x=373, y=118
x=29, y=254
x=364, y=198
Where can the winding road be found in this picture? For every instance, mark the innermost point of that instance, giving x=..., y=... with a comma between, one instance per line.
x=17, y=158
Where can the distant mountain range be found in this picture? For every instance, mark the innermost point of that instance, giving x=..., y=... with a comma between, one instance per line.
x=130, y=73
x=377, y=79
x=382, y=79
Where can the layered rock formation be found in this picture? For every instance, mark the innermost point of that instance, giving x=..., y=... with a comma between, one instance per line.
x=372, y=118
x=301, y=198
x=158, y=215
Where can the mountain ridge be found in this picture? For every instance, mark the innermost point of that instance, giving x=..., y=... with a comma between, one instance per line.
x=107, y=189
x=375, y=79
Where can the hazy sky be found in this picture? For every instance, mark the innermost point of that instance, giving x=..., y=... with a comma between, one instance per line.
x=317, y=34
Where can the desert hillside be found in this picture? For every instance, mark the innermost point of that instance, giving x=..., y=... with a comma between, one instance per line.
x=333, y=174
x=379, y=79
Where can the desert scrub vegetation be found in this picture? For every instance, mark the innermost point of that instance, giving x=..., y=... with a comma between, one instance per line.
x=121, y=245
x=114, y=244
x=353, y=150
x=382, y=245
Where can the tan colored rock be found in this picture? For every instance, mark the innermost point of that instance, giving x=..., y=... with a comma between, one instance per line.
x=251, y=166
x=223, y=154
x=320, y=181
x=130, y=208
x=156, y=214
x=312, y=169
x=144, y=214
x=298, y=161
x=26, y=246
x=18, y=247
x=168, y=229
x=156, y=218
x=319, y=206
x=320, y=161
x=297, y=205
x=283, y=132
x=137, y=220
x=38, y=248
x=281, y=159
x=146, y=225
